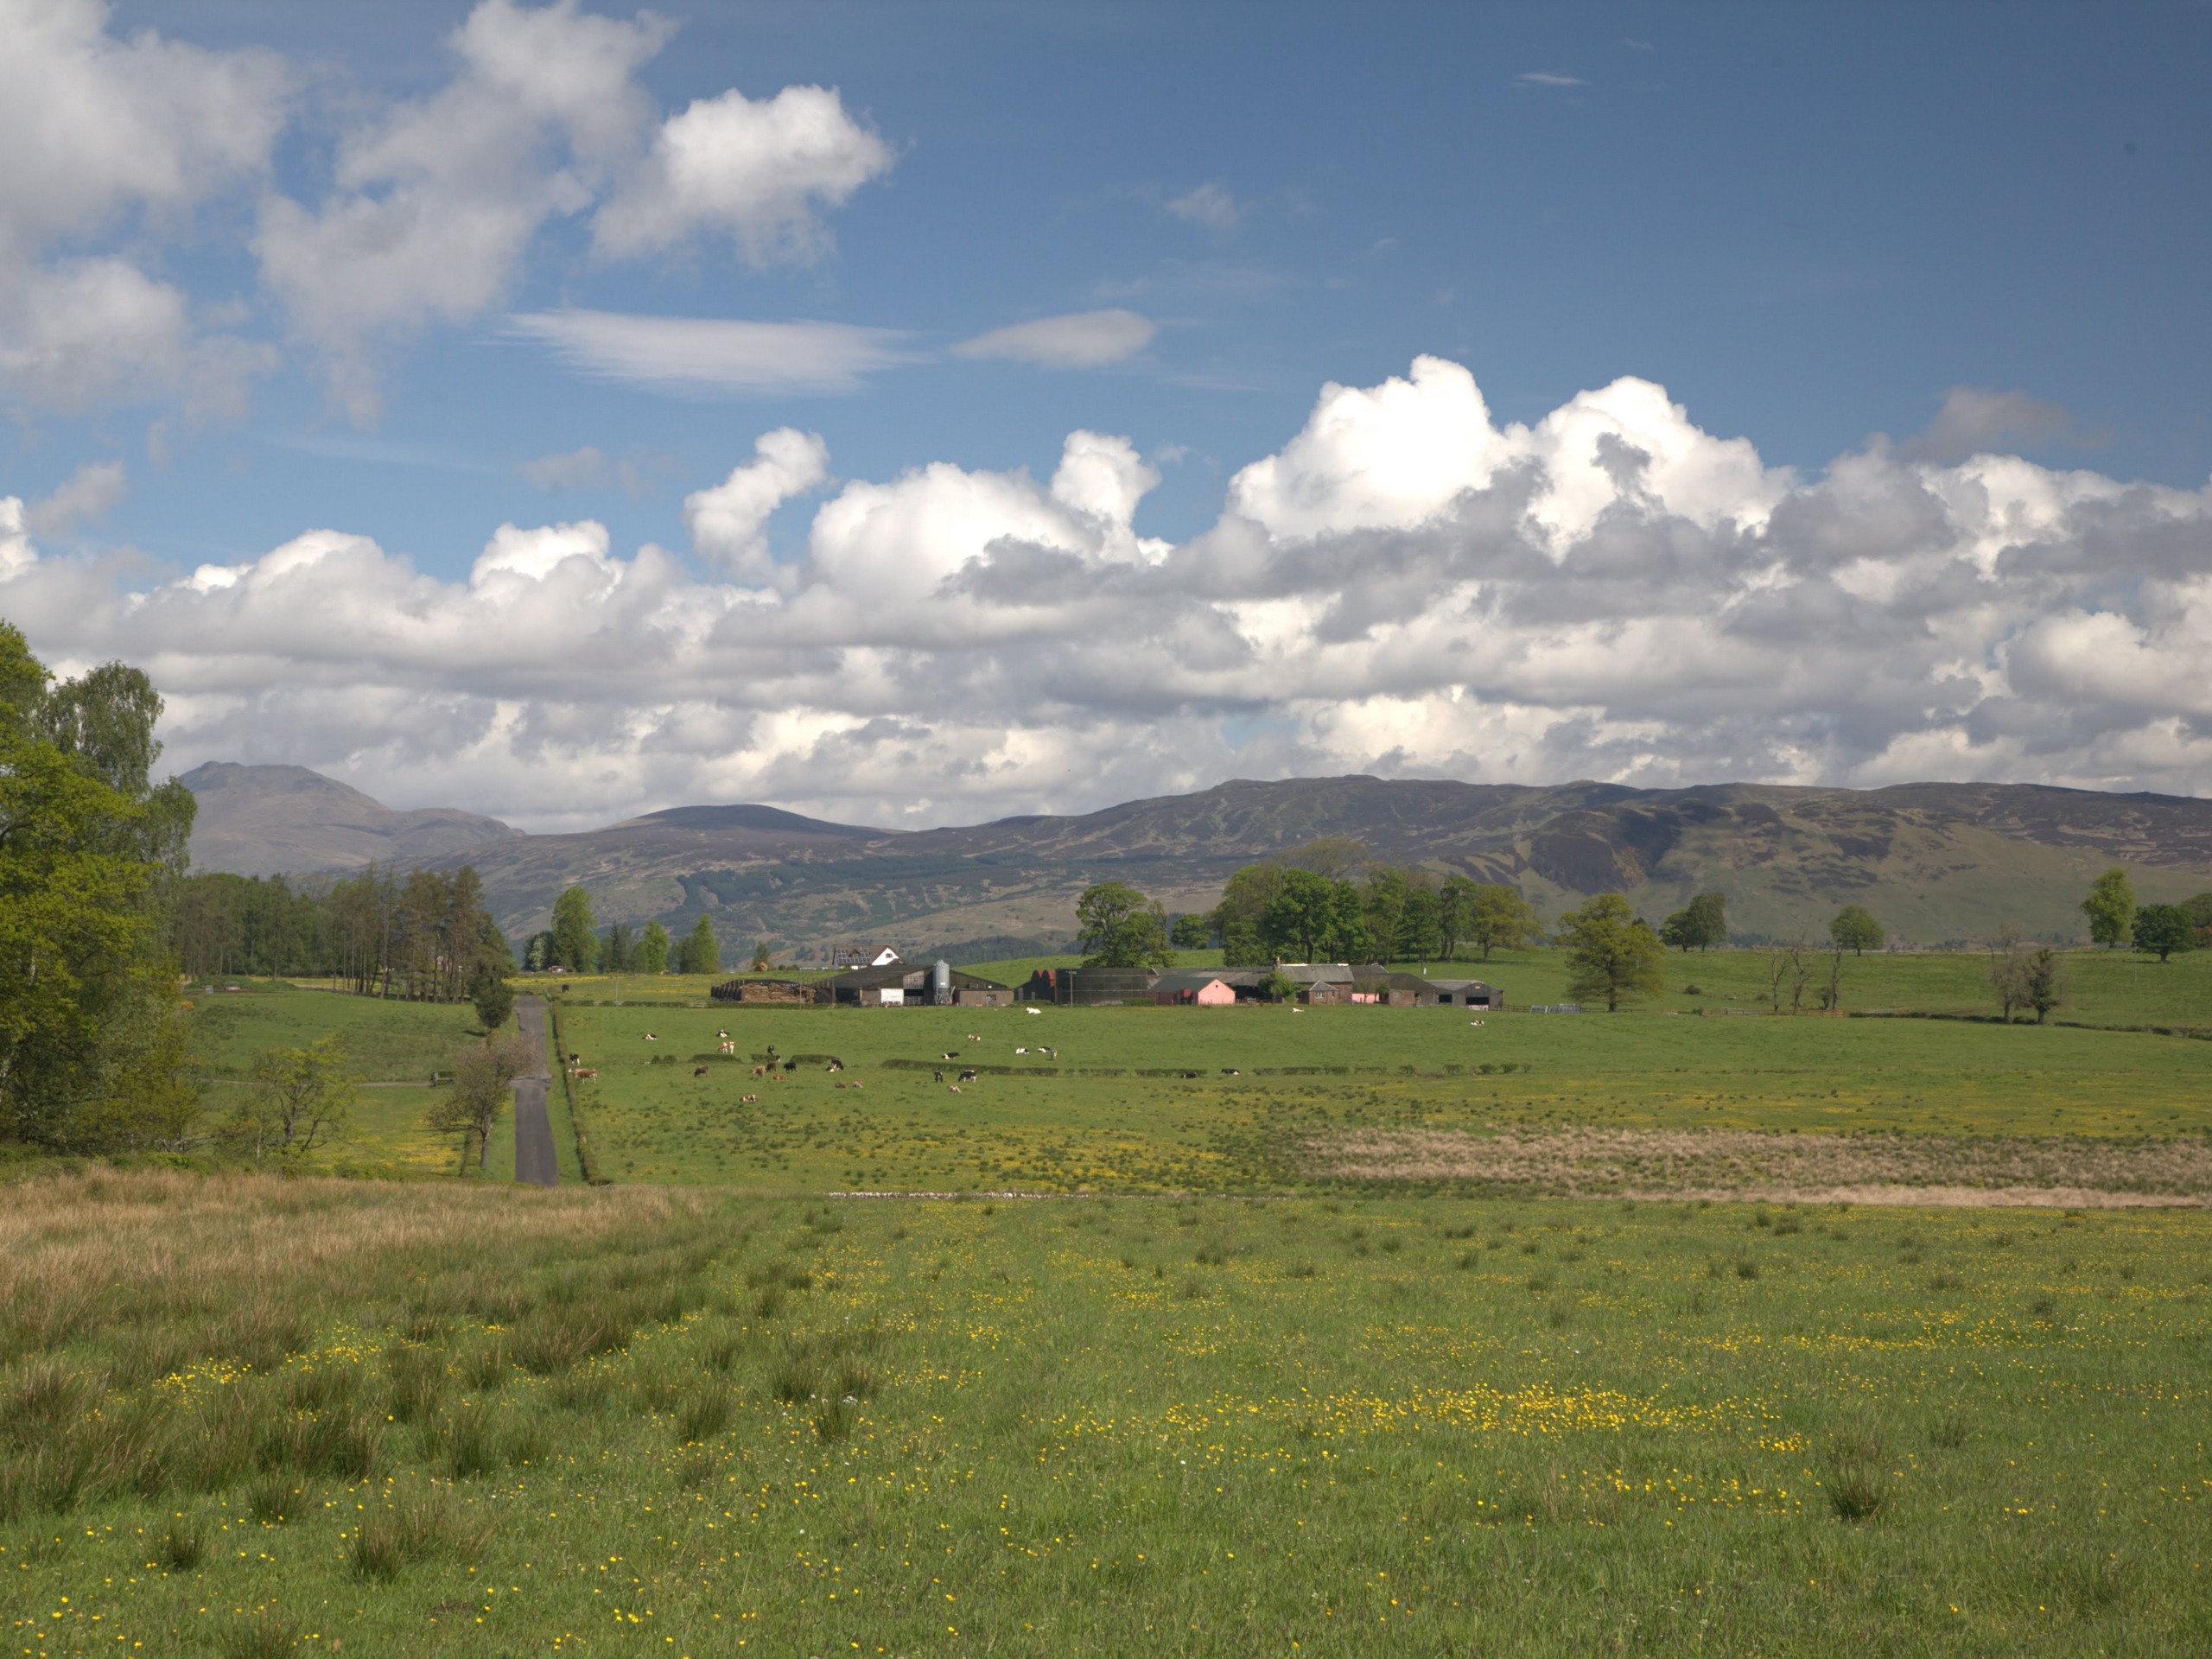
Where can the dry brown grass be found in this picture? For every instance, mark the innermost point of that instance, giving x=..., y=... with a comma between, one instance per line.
x=2070, y=1172
x=74, y=1248
x=315, y=1313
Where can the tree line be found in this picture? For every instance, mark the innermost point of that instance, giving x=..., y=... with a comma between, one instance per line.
x=93, y=1048
x=426, y=935
x=574, y=943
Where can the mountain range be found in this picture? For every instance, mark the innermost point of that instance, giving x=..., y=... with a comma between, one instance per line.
x=1936, y=863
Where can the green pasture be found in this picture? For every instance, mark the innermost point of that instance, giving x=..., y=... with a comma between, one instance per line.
x=2107, y=987
x=618, y=1423
x=385, y=1040
x=1034, y=1124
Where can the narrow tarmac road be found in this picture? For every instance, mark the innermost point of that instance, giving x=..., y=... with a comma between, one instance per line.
x=534, y=1159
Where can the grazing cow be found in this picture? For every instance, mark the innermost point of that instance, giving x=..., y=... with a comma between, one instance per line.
x=1033, y=1010
x=856, y=1084
x=729, y=1048
x=969, y=1075
x=587, y=1074
x=759, y=1071
x=1231, y=1071
x=1053, y=1053
x=698, y=1071
x=1022, y=1050
x=573, y=1058
x=651, y=1038
x=973, y=1038
x=949, y=1055
x=1474, y=1022
x=744, y=1100
x=724, y=1035
x=834, y=1064
x=954, y=1087
x=938, y=1076
x=772, y=1051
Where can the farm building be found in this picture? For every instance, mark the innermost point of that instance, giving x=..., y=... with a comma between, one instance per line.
x=904, y=985
x=1082, y=988
x=1423, y=990
x=786, y=992
x=1207, y=988
x=862, y=955
x=1322, y=982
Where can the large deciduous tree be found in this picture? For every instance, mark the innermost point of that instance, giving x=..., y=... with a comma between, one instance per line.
x=1238, y=920
x=1611, y=952
x=1312, y=919
x=2110, y=907
x=1855, y=930
x=2163, y=929
x=91, y=1057
x=1121, y=928
x=1699, y=925
x=1490, y=914
x=652, y=950
x=575, y=946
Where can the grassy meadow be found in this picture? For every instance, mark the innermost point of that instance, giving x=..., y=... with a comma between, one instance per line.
x=251, y=1417
x=1327, y=1331
x=1093, y=1121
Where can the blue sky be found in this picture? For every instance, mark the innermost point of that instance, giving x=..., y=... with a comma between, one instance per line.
x=1808, y=223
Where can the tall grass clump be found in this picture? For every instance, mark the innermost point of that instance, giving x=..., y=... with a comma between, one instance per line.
x=1851, y=1475
x=424, y=1527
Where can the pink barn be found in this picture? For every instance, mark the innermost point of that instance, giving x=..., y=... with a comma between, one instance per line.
x=1194, y=986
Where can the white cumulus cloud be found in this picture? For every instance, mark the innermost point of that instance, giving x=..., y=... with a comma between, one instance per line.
x=1406, y=588
x=753, y=171
x=727, y=522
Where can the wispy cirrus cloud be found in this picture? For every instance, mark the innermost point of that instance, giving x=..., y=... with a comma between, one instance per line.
x=708, y=356
x=1546, y=78
x=1210, y=204
x=1081, y=339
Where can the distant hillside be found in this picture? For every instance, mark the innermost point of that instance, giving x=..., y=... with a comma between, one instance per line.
x=287, y=820
x=1935, y=861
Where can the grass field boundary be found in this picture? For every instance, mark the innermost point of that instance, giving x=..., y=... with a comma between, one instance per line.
x=2200, y=1033
x=585, y=1160
x=1449, y=1069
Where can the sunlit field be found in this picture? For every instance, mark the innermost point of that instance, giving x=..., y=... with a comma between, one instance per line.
x=471, y=1420
x=1245, y=1099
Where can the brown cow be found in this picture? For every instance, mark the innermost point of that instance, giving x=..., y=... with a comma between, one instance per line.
x=698, y=1071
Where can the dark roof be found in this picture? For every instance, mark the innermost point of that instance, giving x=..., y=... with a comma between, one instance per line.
x=1192, y=979
x=1435, y=983
x=907, y=974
